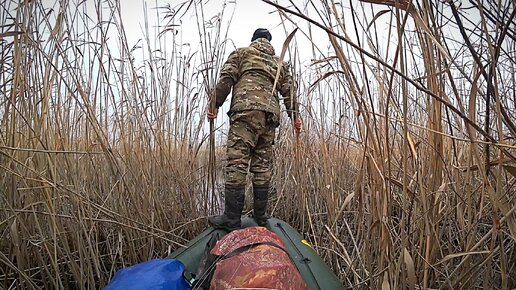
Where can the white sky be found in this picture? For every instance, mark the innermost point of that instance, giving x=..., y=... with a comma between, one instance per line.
x=248, y=16
x=252, y=14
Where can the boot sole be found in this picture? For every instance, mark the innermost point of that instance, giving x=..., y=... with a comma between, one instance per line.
x=227, y=228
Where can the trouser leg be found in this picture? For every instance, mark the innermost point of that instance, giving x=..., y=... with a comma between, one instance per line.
x=240, y=141
x=261, y=166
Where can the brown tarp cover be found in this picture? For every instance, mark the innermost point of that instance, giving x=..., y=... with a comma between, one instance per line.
x=254, y=257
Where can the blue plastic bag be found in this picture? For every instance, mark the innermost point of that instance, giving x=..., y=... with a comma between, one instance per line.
x=153, y=274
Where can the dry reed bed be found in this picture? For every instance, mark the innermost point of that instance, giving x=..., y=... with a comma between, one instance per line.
x=403, y=178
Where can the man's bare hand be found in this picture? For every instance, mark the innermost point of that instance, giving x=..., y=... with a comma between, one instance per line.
x=212, y=114
x=298, y=124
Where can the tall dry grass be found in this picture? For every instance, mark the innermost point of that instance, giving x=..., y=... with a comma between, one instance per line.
x=403, y=177
x=429, y=200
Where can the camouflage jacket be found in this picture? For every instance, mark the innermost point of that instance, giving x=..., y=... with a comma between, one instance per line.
x=250, y=72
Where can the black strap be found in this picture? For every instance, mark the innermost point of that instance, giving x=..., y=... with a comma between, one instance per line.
x=208, y=262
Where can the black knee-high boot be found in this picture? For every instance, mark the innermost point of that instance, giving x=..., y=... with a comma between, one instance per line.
x=234, y=204
x=261, y=195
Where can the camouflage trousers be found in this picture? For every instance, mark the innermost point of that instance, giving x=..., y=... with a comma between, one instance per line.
x=250, y=141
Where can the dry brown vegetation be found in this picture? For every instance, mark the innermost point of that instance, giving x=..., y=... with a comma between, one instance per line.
x=404, y=177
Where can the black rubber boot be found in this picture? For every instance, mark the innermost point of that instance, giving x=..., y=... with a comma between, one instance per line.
x=234, y=204
x=261, y=195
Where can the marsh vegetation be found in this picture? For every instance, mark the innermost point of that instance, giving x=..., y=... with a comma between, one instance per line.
x=404, y=175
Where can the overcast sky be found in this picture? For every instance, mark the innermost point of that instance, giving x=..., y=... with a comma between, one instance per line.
x=246, y=18
x=248, y=15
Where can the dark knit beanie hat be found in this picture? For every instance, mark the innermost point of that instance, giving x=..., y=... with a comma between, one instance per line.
x=261, y=33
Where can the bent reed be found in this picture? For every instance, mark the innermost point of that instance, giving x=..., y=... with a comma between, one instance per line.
x=404, y=176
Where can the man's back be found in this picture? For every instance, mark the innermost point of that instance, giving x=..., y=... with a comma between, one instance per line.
x=257, y=70
x=251, y=72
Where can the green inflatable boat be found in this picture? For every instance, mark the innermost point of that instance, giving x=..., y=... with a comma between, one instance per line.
x=316, y=274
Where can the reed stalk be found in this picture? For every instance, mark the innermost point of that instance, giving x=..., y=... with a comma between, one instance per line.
x=403, y=177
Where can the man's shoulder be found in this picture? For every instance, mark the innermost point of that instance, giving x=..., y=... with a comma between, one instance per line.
x=245, y=49
x=252, y=51
x=242, y=51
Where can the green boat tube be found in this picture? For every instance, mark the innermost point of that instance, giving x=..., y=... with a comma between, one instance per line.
x=316, y=274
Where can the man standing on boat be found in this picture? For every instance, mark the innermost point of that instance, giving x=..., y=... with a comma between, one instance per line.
x=254, y=115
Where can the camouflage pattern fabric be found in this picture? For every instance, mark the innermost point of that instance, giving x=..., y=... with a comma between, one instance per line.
x=254, y=113
x=250, y=139
x=254, y=258
x=250, y=72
